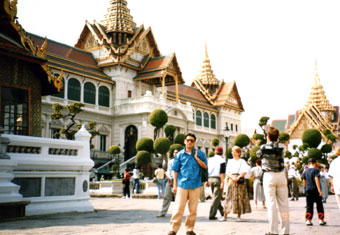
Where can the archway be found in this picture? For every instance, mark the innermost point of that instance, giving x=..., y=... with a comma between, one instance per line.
x=131, y=135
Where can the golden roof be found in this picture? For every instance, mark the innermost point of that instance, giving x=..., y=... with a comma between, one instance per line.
x=317, y=95
x=206, y=75
x=118, y=18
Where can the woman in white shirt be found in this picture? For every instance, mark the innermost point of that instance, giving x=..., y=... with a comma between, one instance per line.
x=256, y=173
x=237, y=168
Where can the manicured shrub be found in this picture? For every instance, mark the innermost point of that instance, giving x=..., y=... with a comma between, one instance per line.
x=143, y=158
x=162, y=145
x=312, y=137
x=179, y=139
x=114, y=149
x=145, y=143
x=158, y=118
x=241, y=140
x=211, y=154
x=215, y=141
x=169, y=130
x=326, y=148
x=179, y=147
x=283, y=137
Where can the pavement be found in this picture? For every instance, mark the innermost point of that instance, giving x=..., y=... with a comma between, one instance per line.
x=138, y=217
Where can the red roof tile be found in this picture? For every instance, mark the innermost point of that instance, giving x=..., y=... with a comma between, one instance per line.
x=158, y=62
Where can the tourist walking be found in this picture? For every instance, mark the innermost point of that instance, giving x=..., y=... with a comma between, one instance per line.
x=311, y=183
x=293, y=175
x=237, y=168
x=168, y=188
x=161, y=180
x=324, y=183
x=187, y=181
x=334, y=173
x=126, y=183
x=275, y=182
x=216, y=171
x=256, y=174
x=135, y=177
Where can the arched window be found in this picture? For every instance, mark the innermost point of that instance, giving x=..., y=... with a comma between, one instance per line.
x=89, y=93
x=104, y=96
x=206, y=120
x=213, y=121
x=73, y=89
x=62, y=91
x=198, y=118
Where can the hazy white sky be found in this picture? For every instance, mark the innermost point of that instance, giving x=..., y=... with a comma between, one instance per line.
x=268, y=47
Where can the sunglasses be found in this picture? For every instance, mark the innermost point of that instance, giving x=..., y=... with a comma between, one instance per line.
x=190, y=140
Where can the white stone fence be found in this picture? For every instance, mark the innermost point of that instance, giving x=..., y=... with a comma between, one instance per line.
x=53, y=174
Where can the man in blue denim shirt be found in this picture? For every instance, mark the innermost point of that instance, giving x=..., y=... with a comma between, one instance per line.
x=187, y=182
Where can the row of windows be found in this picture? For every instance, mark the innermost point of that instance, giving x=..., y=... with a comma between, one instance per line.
x=206, y=119
x=74, y=91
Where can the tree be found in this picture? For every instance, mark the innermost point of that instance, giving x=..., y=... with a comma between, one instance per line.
x=145, y=143
x=284, y=138
x=263, y=121
x=71, y=128
x=162, y=145
x=180, y=139
x=228, y=153
x=215, y=141
x=312, y=137
x=143, y=158
x=115, y=150
x=158, y=118
x=253, y=155
x=241, y=140
x=169, y=131
x=259, y=139
x=211, y=154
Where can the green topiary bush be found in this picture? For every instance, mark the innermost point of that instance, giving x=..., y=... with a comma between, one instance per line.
x=114, y=149
x=211, y=154
x=241, y=140
x=326, y=148
x=252, y=154
x=228, y=153
x=169, y=130
x=312, y=137
x=314, y=153
x=143, y=158
x=179, y=139
x=162, y=145
x=145, y=143
x=215, y=141
x=283, y=137
x=158, y=118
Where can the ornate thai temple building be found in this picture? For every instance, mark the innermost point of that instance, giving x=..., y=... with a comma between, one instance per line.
x=117, y=70
x=317, y=113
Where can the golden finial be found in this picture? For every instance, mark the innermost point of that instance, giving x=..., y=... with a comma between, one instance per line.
x=206, y=50
x=316, y=76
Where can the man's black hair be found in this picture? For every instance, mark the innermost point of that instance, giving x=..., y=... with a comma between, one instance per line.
x=192, y=135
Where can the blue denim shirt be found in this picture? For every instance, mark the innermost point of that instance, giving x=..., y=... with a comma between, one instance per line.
x=189, y=174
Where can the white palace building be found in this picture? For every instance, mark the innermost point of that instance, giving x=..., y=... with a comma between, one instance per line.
x=117, y=70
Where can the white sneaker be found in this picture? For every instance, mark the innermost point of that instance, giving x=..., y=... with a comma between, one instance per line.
x=321, y=222
x=222, y=219
x=309, y=223
x=238, y=219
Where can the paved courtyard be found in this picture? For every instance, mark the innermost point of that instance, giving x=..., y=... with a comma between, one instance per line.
x=138, y=217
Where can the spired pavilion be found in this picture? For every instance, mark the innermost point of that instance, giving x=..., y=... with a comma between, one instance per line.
x=117, y=70
x=317, y=113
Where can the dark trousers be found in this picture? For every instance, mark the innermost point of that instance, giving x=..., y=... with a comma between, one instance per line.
x=126, y=189
x=311, y=197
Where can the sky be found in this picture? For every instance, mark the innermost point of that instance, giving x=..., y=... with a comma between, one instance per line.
x=268, y=47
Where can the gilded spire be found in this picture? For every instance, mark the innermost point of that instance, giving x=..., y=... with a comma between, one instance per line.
x=118, y=18
x=206, y=75
x=317, y=95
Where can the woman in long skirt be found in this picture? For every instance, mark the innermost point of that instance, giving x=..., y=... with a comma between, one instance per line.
x=323, y=183
x=256, y=173
x=237, y=192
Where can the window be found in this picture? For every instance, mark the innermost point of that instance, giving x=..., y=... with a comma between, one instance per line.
x=236, y=128
x=206, y=120
x=62, y=91
x=103, y=143
x=129, y=94
x=104, y=96
x=198, y=118
x=231, y=127
x=213, y=121
x=89, y=93
x=73, y=89
x=14, y=110
x=53, y=132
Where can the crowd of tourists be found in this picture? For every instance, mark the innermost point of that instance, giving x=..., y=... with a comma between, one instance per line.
x=274, y=181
